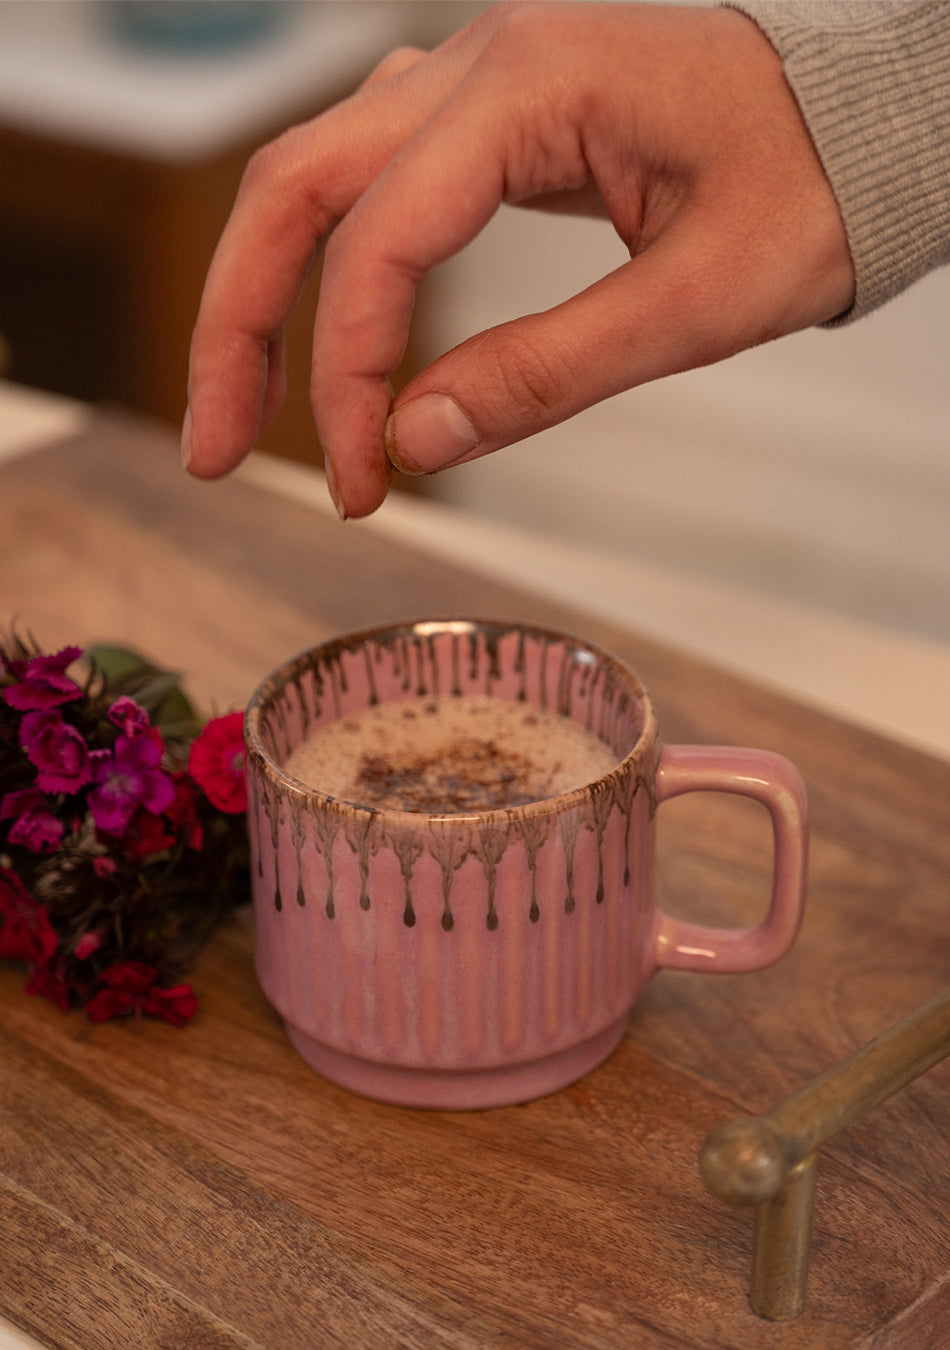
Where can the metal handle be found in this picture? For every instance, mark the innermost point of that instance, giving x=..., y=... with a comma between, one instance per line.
x=769, y=1162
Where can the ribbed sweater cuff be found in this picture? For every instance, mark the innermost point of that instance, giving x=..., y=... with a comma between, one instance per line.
x=872, y=80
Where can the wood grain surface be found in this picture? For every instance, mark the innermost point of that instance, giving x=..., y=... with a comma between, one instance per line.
x=204, y=1188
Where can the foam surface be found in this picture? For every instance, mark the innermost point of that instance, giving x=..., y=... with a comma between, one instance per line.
x=450, y=755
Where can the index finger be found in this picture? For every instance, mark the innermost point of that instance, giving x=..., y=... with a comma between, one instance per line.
x=293, y=192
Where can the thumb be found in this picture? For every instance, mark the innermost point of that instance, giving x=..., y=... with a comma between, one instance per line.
x=521, y=377
x=693, y=297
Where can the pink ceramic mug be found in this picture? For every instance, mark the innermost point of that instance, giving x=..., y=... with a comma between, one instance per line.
x=488, y=956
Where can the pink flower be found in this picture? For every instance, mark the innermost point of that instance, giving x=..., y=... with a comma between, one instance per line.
x=13, y=894
x=35, y=826
x=145, y=835
x=183, y=813
x=89, y=942
x=129, y=778
x=39, y=831
x=131, y=988
x=15, y=803
x=130, y=717
x=216, y=763
x=41, y=682
x=57, y=750
x=26, y=933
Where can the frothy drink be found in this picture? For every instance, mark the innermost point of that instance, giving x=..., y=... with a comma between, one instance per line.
x=450, y=755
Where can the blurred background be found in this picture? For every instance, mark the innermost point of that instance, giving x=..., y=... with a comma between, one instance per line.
x=814, y=470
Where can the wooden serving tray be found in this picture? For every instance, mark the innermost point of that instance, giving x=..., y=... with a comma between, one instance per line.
x=204, y=1188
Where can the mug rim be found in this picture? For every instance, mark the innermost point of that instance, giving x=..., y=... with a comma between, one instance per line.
x=268, y=689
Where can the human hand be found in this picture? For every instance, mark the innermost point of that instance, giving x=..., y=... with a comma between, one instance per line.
x=676, y=123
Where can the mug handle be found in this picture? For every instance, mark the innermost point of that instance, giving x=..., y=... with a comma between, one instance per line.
x=768, y=778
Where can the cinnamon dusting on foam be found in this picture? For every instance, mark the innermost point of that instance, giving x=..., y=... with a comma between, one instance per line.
x=450, y=755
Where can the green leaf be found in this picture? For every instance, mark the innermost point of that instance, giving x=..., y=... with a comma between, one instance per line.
x=158, y=691
x=116, y=663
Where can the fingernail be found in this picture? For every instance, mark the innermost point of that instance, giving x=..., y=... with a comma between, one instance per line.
x=429, y=433
x=186, y=439
x=332, y=486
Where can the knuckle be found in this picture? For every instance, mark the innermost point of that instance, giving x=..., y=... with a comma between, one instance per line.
x=522, y=25
x=266, y=165
x=280, y=189
x=522, y=15
x=533, y=377
x=393, y=63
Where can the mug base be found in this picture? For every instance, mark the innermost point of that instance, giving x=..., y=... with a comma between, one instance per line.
x=462, y=1089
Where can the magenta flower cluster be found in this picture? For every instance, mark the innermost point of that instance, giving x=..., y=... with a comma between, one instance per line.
x=119, y=779
x=112, y=834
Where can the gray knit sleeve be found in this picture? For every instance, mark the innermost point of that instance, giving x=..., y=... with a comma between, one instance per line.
x=872, y=80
